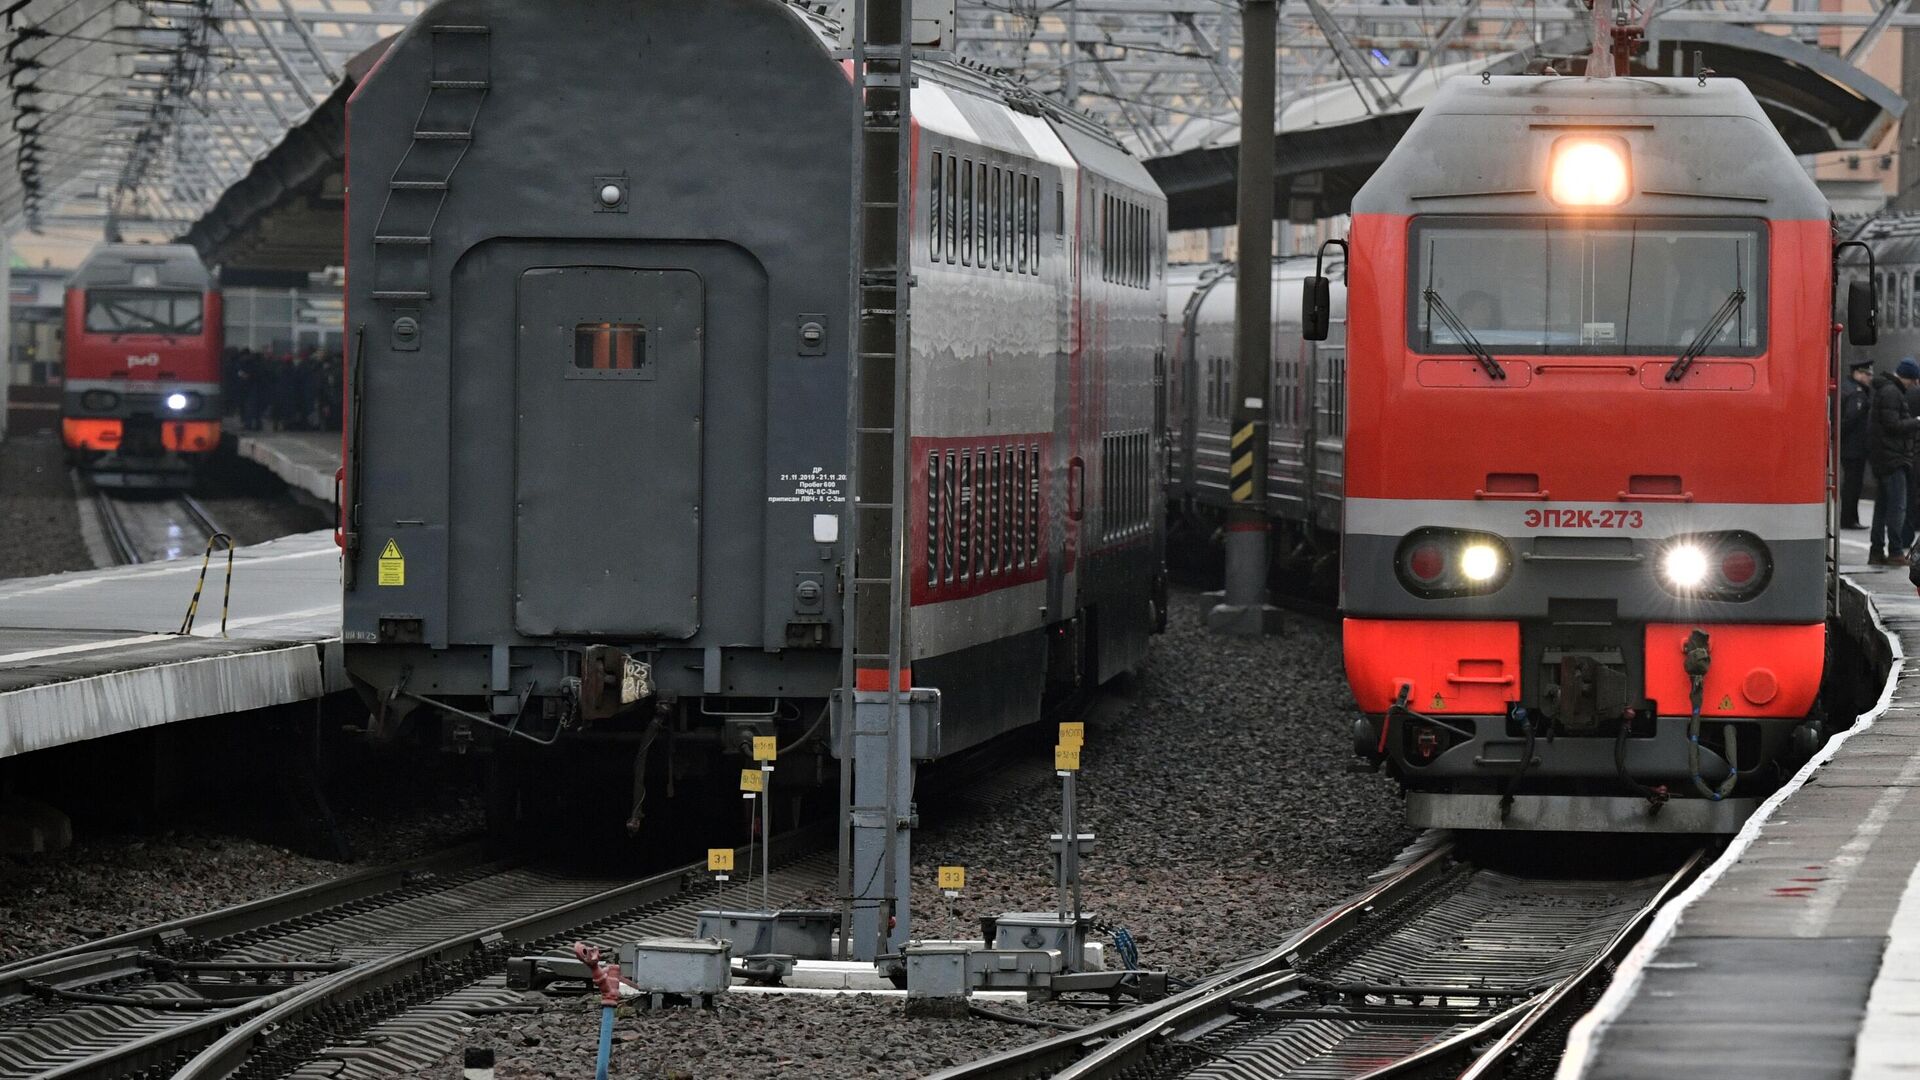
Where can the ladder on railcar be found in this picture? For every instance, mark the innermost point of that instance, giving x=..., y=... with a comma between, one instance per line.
x=874, y=743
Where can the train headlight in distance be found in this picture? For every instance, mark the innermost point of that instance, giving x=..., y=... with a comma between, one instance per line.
x=1588, y=170
x=1685, y=566
x=177, y=401
x=1480, y=562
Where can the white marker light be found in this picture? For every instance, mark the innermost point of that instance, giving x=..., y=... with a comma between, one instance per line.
x=1589, y=171
x=1480, y=562
x=177, y=401
x=826, y=528
x=1685, y=565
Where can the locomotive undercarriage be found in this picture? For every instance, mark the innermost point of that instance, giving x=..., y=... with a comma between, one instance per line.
x=600, y=733
x=1582, y=748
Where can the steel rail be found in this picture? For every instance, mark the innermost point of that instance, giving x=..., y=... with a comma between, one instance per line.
x=1109, y=1048
x=125, y=552
x=201, y=519
x=254, y=915
x=1556, y=1003
x=1066, y=1051
x=229, y=1052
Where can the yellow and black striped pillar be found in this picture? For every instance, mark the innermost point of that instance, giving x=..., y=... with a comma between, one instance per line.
x=1244, y=609
x=1240, y=472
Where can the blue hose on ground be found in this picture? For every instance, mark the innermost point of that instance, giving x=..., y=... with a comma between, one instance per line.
x=606, y=1043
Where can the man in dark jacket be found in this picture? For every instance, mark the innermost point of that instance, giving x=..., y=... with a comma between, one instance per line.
x=1890, y=456
x=1856, y=433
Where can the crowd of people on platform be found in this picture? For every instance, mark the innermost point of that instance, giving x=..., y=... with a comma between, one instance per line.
x=283, y=391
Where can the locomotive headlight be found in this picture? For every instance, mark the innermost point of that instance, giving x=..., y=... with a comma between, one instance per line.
x=1480, y=562
x=177, y=402
x=1588, y=171
x=1685, y=566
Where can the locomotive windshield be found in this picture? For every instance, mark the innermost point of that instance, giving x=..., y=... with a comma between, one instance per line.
x=1613, y=286
x=142, y=311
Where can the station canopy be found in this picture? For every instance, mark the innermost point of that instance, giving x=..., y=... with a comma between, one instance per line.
x=221, y=120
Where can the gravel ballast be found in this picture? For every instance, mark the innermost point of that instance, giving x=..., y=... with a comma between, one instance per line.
x=112, y=882
x=1216, y=783
x=39, y=517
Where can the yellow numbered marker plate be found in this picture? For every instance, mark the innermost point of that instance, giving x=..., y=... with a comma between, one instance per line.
x=1066, y=758
x=719, y=860
x=953, y=877
x=764, y=747
x=753, y=780
x=1073, y=734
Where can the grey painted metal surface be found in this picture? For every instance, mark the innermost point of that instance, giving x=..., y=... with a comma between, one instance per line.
x=1034, y=356
x=92, y=654
x=1772, y=964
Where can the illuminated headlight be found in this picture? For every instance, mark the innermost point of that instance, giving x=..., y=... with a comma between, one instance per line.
x=177, y=402
x=1685, y=566
x=1716, y=566
x=1436, y=563
x=1480, y=563
x=1589, y=171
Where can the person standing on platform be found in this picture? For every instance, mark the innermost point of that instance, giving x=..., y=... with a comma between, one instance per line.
x=1890, y=456
x=1856, y=435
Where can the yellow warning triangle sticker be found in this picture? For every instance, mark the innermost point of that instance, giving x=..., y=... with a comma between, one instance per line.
x=391, y=551
x=1727, y=702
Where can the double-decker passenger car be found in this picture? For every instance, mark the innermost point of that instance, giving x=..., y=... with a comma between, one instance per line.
x=143, y=339
x=598, y=288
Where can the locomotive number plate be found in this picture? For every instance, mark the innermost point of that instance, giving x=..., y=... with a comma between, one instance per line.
x=1570, y=518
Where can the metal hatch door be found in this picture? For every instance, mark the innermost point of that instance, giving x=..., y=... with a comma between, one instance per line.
x=607, y=452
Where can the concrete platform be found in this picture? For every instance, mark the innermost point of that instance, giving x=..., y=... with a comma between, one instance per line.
x=90, y=654
x=1797, y=954
x=306, y=460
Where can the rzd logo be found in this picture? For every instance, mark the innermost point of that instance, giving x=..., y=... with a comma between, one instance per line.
x=150, y=360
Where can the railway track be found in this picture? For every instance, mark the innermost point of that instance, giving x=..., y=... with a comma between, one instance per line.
x=147, y=527
x=401, y=949
x=1443, y=968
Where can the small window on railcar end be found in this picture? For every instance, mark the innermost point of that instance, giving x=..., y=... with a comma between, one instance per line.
x=606, y=346
x=1033, y=224
x=935, y=230
x=1020, y=218
x=1913, y=305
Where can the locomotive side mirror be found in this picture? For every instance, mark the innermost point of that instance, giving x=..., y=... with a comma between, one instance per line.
x=1316, y=302
x=1863, y=300
x=1863, y=314
x=1316, y=309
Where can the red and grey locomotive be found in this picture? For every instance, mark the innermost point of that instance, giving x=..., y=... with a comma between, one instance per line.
x=596, y=451
x=141, y=406
x=1586, y=531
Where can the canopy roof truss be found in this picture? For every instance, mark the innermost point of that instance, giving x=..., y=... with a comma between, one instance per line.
x=130, y=117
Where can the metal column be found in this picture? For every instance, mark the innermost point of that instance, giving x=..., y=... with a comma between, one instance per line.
x=1244, y=609
x=876, y=745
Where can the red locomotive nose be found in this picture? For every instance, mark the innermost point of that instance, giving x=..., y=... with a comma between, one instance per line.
x=1739, y=567
x=1427, y=563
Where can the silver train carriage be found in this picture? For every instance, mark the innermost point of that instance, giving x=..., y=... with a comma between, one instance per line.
x=1306, y=436
x=599, y=369
x=1894, y=237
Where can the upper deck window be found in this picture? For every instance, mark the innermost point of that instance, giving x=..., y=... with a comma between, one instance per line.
x=142, y=311
x=1613, y=286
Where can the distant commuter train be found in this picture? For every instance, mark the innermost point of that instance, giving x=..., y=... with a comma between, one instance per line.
x=1894, y=238
x=1586, y=533
x=1306, y=436
x=597, y=446
x=141, y=406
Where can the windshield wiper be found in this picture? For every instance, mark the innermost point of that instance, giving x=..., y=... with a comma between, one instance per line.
x=1487, y=362
x=1735, y=300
